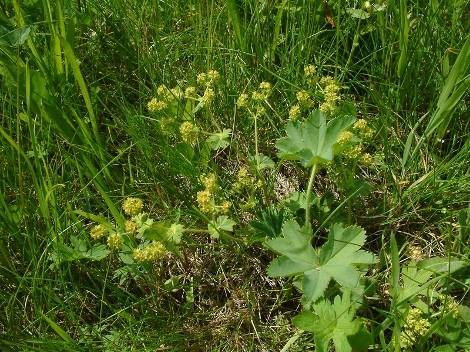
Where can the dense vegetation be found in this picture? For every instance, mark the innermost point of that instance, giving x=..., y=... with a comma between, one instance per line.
x=238, y=175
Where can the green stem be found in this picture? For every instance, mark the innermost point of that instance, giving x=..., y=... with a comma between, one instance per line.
x=196, y=231
x=256, y=142
x=309, y=193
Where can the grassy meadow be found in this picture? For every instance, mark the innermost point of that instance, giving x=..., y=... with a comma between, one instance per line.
x=234, y=175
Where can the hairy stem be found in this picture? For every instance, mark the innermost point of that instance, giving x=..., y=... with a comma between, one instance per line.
x=309, y=193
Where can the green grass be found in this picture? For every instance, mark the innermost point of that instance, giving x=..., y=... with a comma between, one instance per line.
x=75, y=132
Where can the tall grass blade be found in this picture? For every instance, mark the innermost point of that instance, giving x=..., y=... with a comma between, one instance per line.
x=404, y=32
x=395, y=278
x=69, y=54
x=277, y=28
x=455, y=87
x=29, y=41
x=59, y=331
x=233, y=14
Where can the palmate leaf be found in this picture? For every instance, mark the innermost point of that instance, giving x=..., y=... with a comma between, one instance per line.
x=337, y=259
x=312, y=141
x=222, y=223
x=219, y=140
x=331, y=322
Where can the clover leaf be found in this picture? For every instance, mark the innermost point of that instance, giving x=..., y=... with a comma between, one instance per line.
x=337, y=259
x=312, y=141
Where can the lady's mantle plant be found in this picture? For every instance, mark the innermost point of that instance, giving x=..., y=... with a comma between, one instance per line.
x=314, y=143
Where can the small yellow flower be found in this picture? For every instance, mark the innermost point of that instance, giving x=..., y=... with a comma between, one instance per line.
x=303, y=98
x=353, y=153
x=327, y=81
x=130, y=226
x=213, y=76
x=208, y=96
x=294, y=112
x=366, y=159
x=415, y=253
x=360, y=124
x=153, y=251
x=189, y=132
x=331, y=92
x=138, y=255
x=225, y=207
x=132, y=206
x=155, y=105
x=265, y=85
x=260, y=110
x=114, y=241
x=243, y=173
x=344, y=137
x=258, y=96
x=202, y=79
x=205, y=201
x=210, y=182
x=242, y=101
x=98, y=231
x=310, y=70
x=448, y=305
x=162, y=90
x=190, y=92
x=175, y=93
x=414, y=327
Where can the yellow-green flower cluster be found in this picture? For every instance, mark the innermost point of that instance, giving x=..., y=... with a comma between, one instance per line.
x=98, y=231
x=210, y=182
x=151, y=252
x=164, y=97
x=244, y=188
x=265, y=87
x=448, y=305
x=155, y=105
x=344, y=137
x=132, y=206
x=331, y=90
x=208, y=96
x=363, y=129
x=206, y=198
x=225, y=207
x=243, y=100
x=366, y=159
x=190, y=92
x=205, y=201
x=130, y=226
x=244, y=180
x=257, y=96
x=294, y=112
x=415, y=326
x=189, y=132
x=310, y=74
x=354, y=152
x=254, y=102
x=415, y=253
x=304, y=99
x=114, y=241
x=262, y=93
x=208, y=79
